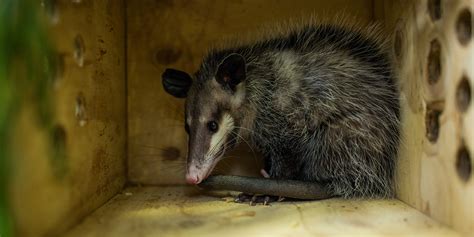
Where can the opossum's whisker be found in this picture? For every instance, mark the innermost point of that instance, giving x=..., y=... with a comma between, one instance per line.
x=215, y=148
x=218, y=146
x=250, y=130
x=250, y=146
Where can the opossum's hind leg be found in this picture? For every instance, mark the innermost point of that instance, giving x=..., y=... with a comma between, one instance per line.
x=255, y=199
x=265, y=174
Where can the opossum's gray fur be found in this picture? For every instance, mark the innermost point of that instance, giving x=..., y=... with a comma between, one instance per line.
x=321, y=104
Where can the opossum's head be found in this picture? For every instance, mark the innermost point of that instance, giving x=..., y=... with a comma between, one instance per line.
x=213, y=99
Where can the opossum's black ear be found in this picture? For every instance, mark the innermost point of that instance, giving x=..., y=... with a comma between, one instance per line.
x=176, y=83
x=231, y=71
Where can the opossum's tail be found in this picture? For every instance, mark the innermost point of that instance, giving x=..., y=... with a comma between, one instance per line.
x=283, y=188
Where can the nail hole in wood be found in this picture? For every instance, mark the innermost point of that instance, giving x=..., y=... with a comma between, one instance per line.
x=464, y=27
x=79, y=50
x=434, y=62
x=80, y=110
x=463, y=164
x=432, y=123
x=51, y=10
x=434, y=9
x=463, y=94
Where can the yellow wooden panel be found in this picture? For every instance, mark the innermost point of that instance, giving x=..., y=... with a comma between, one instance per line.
x=434, y=128
x=179, y=211
x=177, y=34
x=49, y=196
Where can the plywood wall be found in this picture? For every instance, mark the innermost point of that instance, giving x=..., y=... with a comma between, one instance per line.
x=177, y=33
x=432, y=52
x=435, y=56
x=51, y=191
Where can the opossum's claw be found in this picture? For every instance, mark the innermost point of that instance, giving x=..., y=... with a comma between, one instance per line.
x=266, y=200
x=253, y=200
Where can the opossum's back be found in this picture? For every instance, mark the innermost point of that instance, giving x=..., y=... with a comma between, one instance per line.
x=364, y=43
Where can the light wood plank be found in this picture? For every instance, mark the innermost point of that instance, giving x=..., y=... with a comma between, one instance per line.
x=427, y=176
x=181, y=211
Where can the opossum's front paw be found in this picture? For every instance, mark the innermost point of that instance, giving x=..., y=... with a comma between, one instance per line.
x=257, y=199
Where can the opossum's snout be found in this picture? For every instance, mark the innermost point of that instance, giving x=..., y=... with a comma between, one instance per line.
x=199, y=167
x=197, y=173
x=207, y=145
x=193, y=176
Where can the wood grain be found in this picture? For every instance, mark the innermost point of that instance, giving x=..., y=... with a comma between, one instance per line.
x=180, y=211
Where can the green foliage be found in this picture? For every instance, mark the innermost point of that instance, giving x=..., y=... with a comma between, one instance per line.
x=26, y=70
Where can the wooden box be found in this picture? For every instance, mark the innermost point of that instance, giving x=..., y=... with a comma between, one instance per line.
x=121, y=170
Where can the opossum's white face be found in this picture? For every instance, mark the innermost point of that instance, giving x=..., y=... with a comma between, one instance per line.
x=212, y=100
x=210, y=134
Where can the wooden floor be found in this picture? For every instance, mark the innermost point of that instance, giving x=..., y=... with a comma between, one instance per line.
x=183, y=211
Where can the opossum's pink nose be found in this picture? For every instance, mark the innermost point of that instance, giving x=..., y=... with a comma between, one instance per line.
x=192, y=179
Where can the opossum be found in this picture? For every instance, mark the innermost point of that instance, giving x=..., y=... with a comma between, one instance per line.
x=320, y=102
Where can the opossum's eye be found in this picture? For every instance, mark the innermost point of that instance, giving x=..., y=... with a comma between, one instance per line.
x=212, y=126
x=186, y=128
